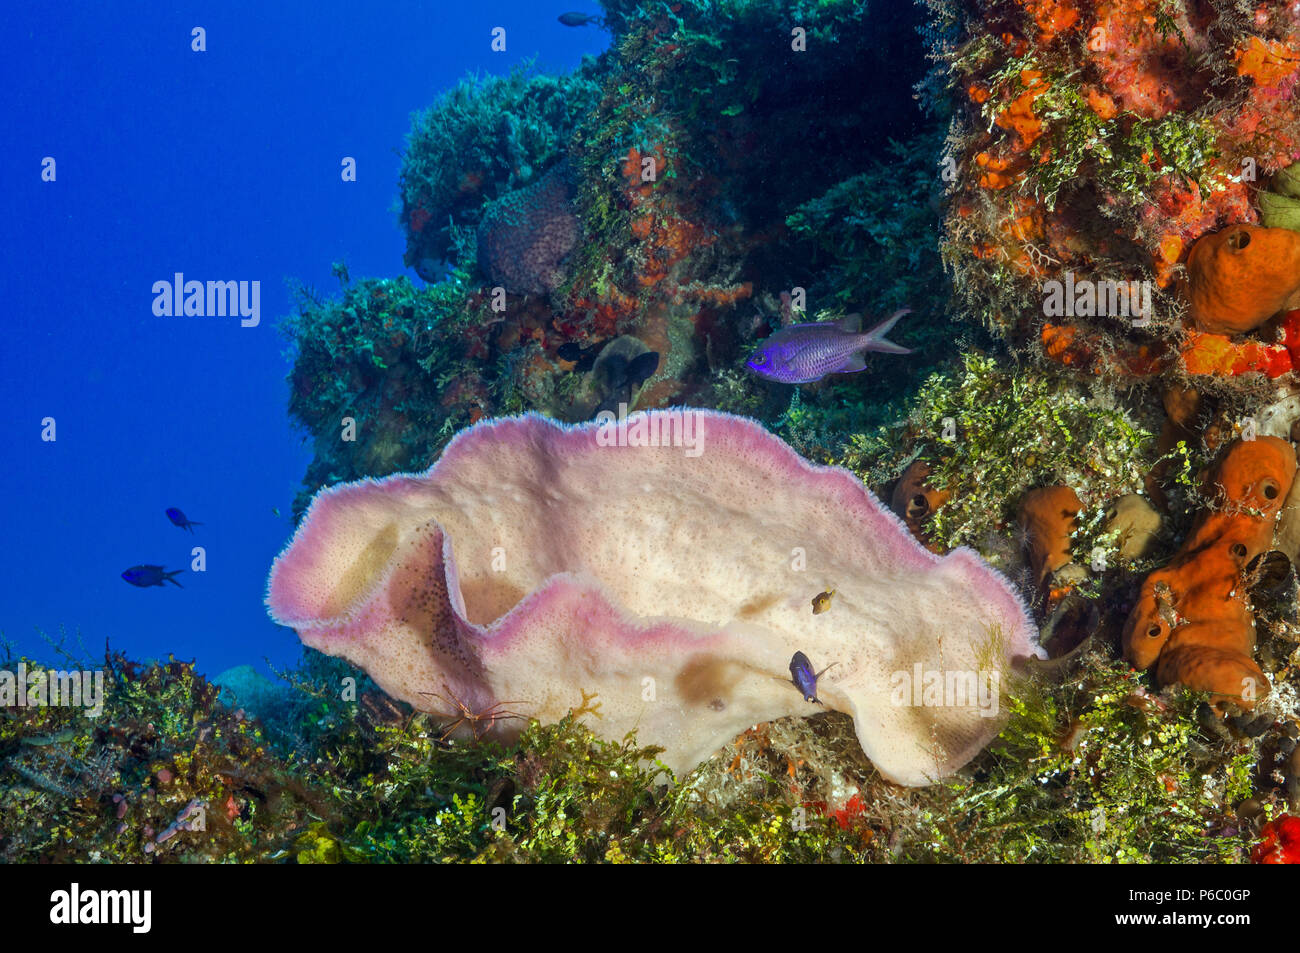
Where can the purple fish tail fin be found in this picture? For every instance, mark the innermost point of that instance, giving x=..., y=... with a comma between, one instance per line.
x=168, y=577
x=876, y=340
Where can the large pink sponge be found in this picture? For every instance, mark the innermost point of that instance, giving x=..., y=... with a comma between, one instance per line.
x=666, y=563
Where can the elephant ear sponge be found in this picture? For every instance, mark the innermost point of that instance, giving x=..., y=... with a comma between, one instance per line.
x=524, y=236
x=666, y=564
x=1241, y=276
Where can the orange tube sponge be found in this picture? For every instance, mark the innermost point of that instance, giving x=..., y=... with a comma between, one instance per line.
x=915, y=500
x=1243, y=275
x=1192, y=622
x=1047, y=518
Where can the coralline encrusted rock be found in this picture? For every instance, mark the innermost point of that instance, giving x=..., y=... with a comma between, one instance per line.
x=665, y=562
x=524, y=236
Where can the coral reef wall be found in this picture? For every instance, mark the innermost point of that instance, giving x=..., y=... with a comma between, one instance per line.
x=1093, y=144
x=1091, y=207
x=693, y=206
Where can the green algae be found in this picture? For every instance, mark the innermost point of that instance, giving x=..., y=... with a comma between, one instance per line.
x=483, y=138
x=392, y=358
x=993, y=432
x=1098, y=770
x=1122, y=156
x=1088, y=768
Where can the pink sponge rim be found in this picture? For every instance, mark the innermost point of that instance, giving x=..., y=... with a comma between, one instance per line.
x=739, y=435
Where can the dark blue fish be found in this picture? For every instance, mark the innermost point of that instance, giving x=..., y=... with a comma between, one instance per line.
x=581, y=357
x=580, y=19
x=143, y=576
x=804, y=678
x=178, y=519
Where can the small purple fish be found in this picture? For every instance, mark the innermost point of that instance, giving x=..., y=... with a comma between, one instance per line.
x=803, y=353
x=178, y=519
x=805, y=678
x=143, y=576
x=580, y=19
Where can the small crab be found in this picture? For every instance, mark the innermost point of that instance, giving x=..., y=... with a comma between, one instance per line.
x=491, y=714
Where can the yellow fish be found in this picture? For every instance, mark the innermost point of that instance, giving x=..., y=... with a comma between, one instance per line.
x=822, y=601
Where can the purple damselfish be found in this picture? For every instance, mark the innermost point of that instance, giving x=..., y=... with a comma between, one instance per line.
x=803, y=353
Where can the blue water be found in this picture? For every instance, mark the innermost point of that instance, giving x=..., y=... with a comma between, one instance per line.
x=223, y=165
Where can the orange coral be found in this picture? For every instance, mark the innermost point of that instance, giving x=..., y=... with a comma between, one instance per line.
x=1061, y=343
x=607, y=311
x=1052, y=17
x=1101, y=104
x=1019, y=114
x=1267, y=63
x=1076, y=346
x=1216, y=354
x=1145, y=67
x=1168, y=251
x=1241, y=276
x=1047, y=518
x=665, y=236
x=998, y=172
x=1192, y=621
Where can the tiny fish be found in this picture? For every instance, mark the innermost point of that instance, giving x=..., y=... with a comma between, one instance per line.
x=178, y=519
x=582, y=358
x=804, y=678
x=803, y=353
x=143, y=576
x=822, y=601
x=580, y=19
